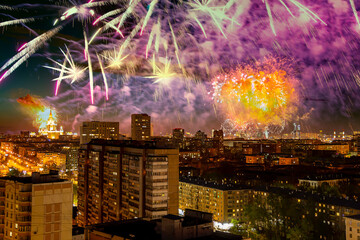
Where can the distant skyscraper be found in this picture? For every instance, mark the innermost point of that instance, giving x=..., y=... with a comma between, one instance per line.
x=140, y=127
x=36, y=207
x=199, y=135
x=178, y=136
x=98, y=130
x=25, y=133
x=126, y=179
x=218, y=135
x=218, y=139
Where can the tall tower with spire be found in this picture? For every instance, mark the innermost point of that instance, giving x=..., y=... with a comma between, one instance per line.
x=51, y=124
x=51, y=128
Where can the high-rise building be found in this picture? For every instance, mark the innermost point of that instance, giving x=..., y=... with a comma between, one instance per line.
x=25, y=133
x=98, y=130
x=126, y=179
x=36, y=207
x=201, y=136
x=178, y=136
x=140, y=127
x=218, y=140
x=218, y=135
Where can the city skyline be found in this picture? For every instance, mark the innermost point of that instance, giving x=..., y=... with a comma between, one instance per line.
x=179, y=119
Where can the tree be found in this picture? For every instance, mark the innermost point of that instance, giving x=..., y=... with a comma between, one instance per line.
x=281, y=217
x=13, y=172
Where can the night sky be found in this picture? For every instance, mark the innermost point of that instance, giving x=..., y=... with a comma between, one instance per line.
x=325, y=56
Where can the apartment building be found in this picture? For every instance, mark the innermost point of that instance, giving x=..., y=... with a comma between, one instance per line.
x=52, y=158
x=225, y=202
x=141, y=128
x=36, y=207
x=352, y=224
x=126, y=179
x=98, y=130
x=255, y=159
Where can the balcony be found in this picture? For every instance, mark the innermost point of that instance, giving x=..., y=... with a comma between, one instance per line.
x=26, y=219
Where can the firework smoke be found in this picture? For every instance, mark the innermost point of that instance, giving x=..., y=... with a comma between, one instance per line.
x=38, y=109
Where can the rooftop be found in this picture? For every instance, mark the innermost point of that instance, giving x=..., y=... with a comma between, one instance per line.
x=354, y=217
x=223, y=187
x=128, y=229
x=37, y=178
x=316, y=197
x=324, y=177
x=221, y=236
x=132, y=143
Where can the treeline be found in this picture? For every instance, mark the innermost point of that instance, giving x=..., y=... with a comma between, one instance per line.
x=278, y=218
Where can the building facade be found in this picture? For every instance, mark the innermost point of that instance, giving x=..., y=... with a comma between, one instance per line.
x=126, y=179
x=56, y=158
x=225, y=203
x=289, y=161
x=36, y=207
x=141, y=127
x=98, y=130
x=255, y=159
x=178, y=136
x=352, y=224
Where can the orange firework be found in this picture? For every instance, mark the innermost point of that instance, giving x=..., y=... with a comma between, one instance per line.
x=37, y=109
x=260, y=95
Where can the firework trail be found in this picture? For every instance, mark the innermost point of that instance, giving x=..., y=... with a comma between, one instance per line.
x=166, y=23
x=72, y=72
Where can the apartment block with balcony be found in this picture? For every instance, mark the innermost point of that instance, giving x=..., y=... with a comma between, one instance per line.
x=126, y=179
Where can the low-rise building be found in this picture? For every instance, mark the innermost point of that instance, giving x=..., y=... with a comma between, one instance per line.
x=352, y=224
x=255, y=159
x=194, y=225
x=339, y=148
x=78, y=233
x=56, y=158
x=288, y=161
x=317, y=181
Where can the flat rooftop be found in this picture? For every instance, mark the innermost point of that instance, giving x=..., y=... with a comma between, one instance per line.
x=132, y=143
x=37, y=178
x=128, y=229
x=355, y=217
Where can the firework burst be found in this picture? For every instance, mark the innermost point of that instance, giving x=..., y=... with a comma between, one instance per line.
x=257, y=95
